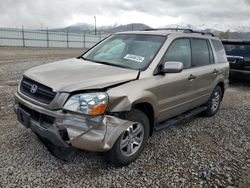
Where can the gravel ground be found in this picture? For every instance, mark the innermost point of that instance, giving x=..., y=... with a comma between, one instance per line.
x=200, y=152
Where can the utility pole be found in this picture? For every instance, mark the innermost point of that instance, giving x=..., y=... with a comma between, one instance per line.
x=95, y=24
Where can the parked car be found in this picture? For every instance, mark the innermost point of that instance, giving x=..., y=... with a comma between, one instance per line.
x=238, y=55
x=113, y=97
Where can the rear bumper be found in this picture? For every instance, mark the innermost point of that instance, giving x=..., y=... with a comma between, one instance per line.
x=241, y=74
x=87, y=133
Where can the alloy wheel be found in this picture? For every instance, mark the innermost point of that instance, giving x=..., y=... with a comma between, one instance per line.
x=132, y=138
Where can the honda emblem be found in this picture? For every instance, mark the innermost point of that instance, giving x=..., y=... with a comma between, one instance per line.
x=33, y=89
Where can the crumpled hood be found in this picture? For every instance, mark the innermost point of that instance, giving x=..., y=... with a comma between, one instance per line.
x=77, y=74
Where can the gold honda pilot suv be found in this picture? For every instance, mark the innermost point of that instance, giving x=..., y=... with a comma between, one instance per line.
x=113, y=97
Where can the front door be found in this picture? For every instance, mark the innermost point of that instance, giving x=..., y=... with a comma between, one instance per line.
x=174, y=91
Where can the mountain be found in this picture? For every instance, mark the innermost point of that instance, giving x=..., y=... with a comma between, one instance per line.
x=233, y=32
x=89, y=28
x=239, y=35
x=213, y=27
x=76, y=28
x=128, y=27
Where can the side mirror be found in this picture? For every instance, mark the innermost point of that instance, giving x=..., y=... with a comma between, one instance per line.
x=172, y=67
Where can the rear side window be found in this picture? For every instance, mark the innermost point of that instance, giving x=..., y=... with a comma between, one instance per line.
x=200, y=52
x=179, y=50
x=219, y=51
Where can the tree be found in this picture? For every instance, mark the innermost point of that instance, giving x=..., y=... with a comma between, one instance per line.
x=224, y=35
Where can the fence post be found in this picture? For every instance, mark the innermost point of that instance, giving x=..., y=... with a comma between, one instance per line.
x=23, y=36
x=67, y=39
x=84, y=40
x=47, y=37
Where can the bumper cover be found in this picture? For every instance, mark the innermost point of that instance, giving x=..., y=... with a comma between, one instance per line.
x=51, y=133
x=241, y=74
x=85, y=133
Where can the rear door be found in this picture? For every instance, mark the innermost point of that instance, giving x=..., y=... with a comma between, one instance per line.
x=204, y=71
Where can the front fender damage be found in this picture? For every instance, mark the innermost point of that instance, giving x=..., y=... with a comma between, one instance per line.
x=95, y=136
x=120, y=102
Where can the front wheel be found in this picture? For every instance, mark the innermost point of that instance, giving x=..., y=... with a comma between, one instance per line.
x=213, y=103
x=132, y=141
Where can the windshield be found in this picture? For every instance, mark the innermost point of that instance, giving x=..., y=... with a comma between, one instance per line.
x=131, y=51
x=237, y=50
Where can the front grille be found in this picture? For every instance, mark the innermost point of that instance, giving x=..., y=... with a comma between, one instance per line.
x=42, y=93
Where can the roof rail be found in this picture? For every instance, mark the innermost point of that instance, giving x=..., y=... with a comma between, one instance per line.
x=171, y=29
x=184, y=30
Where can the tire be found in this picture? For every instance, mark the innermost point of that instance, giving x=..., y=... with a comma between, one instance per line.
x=213, y=103
x=126, y=148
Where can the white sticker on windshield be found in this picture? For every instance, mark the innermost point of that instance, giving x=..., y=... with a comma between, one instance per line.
x=134, y=58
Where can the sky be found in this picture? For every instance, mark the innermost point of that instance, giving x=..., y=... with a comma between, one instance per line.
x=155, y=13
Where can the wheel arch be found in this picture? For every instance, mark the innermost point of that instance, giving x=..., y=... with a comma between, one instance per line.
x=148, y=110
x=222, y=86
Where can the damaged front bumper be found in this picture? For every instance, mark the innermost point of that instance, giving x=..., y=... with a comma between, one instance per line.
x=66, y=129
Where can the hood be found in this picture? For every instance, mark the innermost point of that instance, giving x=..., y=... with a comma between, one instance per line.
x=77, y=74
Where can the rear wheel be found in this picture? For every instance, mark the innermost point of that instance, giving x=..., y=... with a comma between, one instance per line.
x=213, y=103
x=132, y=141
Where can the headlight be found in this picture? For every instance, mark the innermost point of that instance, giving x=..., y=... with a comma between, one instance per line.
x=88, y=103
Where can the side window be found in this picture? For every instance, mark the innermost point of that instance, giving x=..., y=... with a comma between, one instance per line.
x=219, y=51
x=200, y=52
x=179, y=50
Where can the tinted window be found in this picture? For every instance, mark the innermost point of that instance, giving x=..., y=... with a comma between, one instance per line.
x=200, y=52
x=179, y=50
x=219, y=51
x=237, y=49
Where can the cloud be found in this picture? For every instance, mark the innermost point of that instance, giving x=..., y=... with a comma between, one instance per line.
x=58, y=13
x=247, y=2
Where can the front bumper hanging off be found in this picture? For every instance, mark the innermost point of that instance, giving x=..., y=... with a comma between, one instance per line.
x=49, y=132
x=70, y=130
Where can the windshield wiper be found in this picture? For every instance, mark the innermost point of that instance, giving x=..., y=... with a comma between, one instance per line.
x=107, y=63
x=81, y=57
x=103, y=62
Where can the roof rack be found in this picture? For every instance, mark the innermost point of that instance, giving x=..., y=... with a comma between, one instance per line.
x=184, y=30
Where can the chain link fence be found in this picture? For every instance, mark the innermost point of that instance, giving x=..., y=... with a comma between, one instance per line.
x=46, y=38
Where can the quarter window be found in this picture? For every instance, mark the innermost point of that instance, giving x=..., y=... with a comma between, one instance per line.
x=179, y=50
x=219, y=51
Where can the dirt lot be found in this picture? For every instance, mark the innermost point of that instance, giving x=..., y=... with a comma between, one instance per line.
x=175, y=157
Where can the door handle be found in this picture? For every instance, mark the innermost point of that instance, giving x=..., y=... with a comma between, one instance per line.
x=215, y=71
x=191, y=77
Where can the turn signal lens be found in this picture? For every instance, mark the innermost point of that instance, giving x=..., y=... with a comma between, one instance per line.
x=97, y=110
